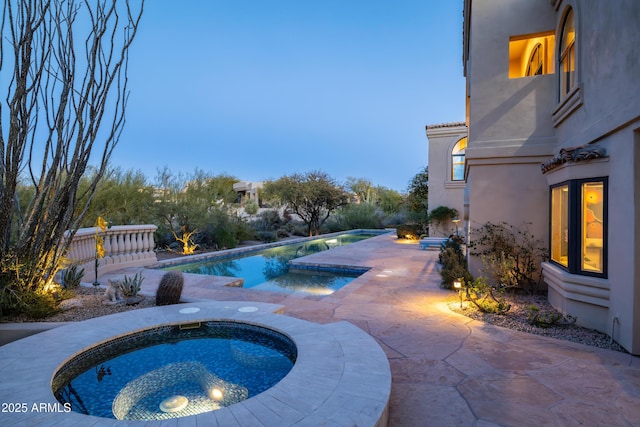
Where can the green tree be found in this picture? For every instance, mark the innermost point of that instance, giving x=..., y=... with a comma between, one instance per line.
x=122, y=197
x=313, y=196
x=390, y=201
x=199, y=201
x=418, y=196
x=63, y=71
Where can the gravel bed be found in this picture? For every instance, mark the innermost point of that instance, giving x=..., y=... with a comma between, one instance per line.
x=517, y=318
x=89, y=303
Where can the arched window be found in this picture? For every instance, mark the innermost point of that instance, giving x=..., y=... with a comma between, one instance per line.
x=536, y=61
x=567, y=54
x=457, y=160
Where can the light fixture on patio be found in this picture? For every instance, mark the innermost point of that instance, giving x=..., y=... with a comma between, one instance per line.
x=456, y=221
x=457, y=284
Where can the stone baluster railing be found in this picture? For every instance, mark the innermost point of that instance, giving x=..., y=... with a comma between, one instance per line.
x=124, y=246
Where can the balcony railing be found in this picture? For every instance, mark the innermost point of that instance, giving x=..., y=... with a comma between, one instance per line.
x=124, y=246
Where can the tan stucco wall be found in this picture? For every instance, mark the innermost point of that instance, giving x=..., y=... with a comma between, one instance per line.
x=515, y=124
x=608, y=52
x=510, y=126
x=442, y=190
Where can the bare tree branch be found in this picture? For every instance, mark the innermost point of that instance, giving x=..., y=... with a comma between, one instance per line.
x=66, y=97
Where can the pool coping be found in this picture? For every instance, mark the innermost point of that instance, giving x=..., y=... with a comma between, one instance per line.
x=341, y=375
x=234, y=252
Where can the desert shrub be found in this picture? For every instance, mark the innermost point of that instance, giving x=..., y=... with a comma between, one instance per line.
x=269, y=226
x=130, y=286
x=251, y=207
x=267, y=220
x=548, y=318
x=442, y=213
x=512, y=256
x=440, y=218
x=299, y=229
x=18, y=295
x=485, y=297
x=35, y=304
x=222, y=230
x=170, y=288
x=282, y=233
x=453, y=263
x=395, y=219
x=71, y=277
x=354, y=216
x=266, y=236
x=40, y=305
x=410, y=231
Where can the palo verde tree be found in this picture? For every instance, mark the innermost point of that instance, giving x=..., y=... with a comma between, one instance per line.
x=312, y=196
x=63, y=72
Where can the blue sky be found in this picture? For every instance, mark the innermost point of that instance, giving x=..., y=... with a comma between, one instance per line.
x=263, y=89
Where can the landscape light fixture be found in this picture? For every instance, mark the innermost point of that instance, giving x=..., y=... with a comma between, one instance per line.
x=457, y=284
x=456, y=221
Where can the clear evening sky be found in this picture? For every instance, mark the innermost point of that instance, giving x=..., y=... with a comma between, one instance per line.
x=259, y=89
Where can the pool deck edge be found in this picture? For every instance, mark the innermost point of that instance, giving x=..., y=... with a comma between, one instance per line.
x=354, y=364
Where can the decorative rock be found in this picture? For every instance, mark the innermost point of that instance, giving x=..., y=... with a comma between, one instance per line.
x=133, y=300
x=116, y=302
x=68, y=304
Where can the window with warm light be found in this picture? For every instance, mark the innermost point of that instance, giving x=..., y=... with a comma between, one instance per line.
x=560, y=225
x=567, y=54
x=531, y=54
x=579, y=226
x=458, y=159
x=534, y=67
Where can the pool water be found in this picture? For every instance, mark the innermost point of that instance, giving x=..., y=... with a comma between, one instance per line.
x=269, y=269
x=174, y=371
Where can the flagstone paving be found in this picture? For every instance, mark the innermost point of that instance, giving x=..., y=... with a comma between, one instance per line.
x=449, y=370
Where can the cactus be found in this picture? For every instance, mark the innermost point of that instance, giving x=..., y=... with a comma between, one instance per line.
x=71, y=277
x=130, y=286
x=170, y=288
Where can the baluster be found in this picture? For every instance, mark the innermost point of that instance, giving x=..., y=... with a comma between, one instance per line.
x=121, y=248
x=145, y=244
x=127, y=246
x=88, y=249
x=108, y=259
x=152, y=245
x=138, y=247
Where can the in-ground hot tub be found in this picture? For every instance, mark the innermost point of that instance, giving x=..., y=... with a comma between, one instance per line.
x=340, y=376
x=175, y=371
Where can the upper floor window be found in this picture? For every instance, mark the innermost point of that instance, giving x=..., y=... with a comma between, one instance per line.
x=534, y=67
x=531, y=54
x=457, y=160
x=567, y=54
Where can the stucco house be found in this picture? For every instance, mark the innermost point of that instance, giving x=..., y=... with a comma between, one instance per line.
x=248, y=190
x=447, y=144
x=553, y=120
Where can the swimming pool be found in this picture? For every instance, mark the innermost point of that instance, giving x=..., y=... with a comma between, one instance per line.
x=175, y=370
x=269, y=269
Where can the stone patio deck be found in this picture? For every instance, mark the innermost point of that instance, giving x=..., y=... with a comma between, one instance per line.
x=449, y=370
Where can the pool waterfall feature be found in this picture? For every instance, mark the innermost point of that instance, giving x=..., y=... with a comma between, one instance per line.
x=333, y=361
